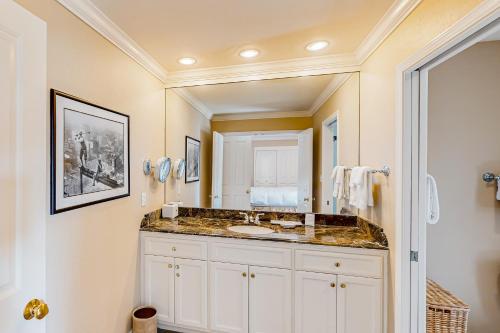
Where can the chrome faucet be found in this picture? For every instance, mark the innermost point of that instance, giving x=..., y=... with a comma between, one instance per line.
x=257, y=218
x=252, y=219
x=247, y=219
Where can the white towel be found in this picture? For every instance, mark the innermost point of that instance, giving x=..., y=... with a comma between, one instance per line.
x=361, y=187
x=338, y=174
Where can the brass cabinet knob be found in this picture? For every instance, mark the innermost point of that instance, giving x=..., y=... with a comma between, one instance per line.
x=174, y=249
x=244, y=274
x=343, y=285
x=169, y=265
x=252, y=276
x=36, y=308
x=178, y=274
x=337, y=264
x=332, y=285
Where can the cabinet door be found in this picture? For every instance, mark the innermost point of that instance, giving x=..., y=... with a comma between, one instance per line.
x=270, y=300
x=191, y=293
x=228, y=297
x=287, y=164
x=359, y=305
x=315, y=302
x=159, y=286
x=265, y=167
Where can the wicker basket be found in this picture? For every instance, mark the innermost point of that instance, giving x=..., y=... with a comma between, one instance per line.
x=445, y=312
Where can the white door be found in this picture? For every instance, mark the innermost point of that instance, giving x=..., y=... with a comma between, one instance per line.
x=217, y=169
x=315, y=302
x=237, y=177
x=305, y=171
x=159, y=286
x=287, y=165
x=228, y=298
x=270, y=300
x=191, y=293
x=265, y=167
x=23, y=154
x=359, y=305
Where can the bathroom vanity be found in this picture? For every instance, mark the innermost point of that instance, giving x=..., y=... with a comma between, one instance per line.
x=201, y=277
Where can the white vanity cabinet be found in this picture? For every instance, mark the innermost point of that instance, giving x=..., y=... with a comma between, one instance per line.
x=225, y=285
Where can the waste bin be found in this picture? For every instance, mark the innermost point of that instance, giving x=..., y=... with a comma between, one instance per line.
x=144, y=320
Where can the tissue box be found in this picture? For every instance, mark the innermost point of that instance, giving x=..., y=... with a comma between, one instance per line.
x=170, y=210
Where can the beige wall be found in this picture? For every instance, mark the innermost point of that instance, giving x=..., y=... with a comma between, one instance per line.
x=464, y=247
x=182, y=120
x=272, y=124
x=92, y=252
x=345, y=102
x=378, y=87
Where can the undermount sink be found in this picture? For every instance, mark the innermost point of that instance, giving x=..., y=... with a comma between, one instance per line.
x=250, y=229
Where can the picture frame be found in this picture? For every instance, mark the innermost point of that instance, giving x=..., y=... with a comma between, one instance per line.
x=89, y=153
x=192, y=157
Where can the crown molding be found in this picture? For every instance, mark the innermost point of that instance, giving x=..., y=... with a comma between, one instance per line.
x=398, y=11
x=194, y=102
x=332, y=87
x=261, y=115
x=96, y=19
x=329, y=64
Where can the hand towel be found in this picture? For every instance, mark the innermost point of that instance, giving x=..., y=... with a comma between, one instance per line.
x=338, y=174
x=361, y=187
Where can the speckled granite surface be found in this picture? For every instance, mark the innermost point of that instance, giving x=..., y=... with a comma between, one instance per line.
x=330, y=230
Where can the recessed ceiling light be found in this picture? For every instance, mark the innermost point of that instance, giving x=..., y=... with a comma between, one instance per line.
x=250, y=53
x=316, y=46
x=187, y=61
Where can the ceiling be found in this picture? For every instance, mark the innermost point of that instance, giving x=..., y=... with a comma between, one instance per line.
x=291, y=95
x=215, y=31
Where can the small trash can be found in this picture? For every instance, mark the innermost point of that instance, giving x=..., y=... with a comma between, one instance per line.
x=144, y=320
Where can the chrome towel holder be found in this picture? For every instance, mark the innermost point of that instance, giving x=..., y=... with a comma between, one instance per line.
x=386, y=171
x=489, y=177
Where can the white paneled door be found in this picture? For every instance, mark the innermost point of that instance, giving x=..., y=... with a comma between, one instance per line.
x=191, y=304
x=315, y=302
x=159, y=286
x=229, y=297
x=237, y=177
x=23, y=154
x=270, y=300
x=304, y=181
x=217, y=169
x=359, y=305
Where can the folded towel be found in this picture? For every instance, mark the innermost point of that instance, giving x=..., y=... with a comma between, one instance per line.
x=361, y=187
x=338, y=176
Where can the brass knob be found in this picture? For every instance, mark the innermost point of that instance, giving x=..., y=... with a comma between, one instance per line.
x=332, y=285
x=337, y=264
x=36, y=308
x=177, y=275
x=252, y=276
x=343, y=285
x=169, y=265
x=174, y=249
x=244, y=274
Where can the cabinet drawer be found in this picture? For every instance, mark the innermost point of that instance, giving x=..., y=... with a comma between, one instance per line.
x=251, y=255
x=339, y=263
x=175, y=248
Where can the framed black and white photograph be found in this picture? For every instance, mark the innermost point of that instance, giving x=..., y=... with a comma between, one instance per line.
x=192, y=160
x=90, y=158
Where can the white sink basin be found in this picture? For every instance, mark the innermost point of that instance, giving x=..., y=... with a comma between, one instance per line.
x=250, y=229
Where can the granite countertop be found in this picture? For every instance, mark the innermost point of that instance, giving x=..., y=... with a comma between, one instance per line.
x=336, y=230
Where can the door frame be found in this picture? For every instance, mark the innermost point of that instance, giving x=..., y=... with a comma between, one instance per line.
x=410, y=169
x=325, y=147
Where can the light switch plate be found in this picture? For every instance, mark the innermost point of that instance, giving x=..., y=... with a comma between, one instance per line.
x=144, y=199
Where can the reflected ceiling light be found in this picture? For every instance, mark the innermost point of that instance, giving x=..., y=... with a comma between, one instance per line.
x=187, y=61
x=316, y=46
x=250, y=53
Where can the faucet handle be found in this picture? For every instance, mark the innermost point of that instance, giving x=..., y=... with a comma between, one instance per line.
x=257, y=217
x=247, y=219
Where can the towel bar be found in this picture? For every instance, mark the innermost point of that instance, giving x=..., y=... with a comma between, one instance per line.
x=386, y=171
x=489, y=177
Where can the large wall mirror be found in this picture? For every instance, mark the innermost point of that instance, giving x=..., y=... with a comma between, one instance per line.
x=274, y=143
